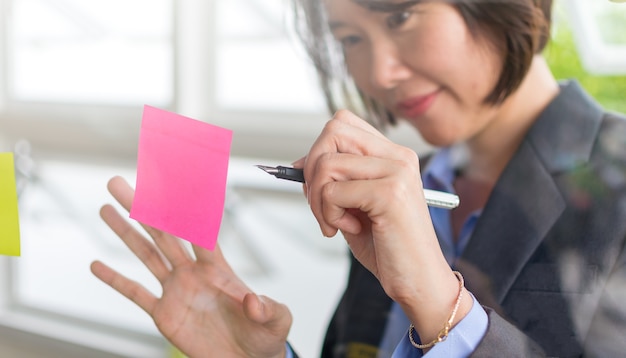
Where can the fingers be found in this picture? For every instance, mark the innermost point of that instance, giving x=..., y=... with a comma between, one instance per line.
x=130, y=289
x=121, y=191
x=347, y=133
x=136, y=242
x=267, y=312
x=349, y=149
x=344, y=204
x=330, y=169
x=170, y=246
x=214, y=257
x=338, y=208
x=299, y=163
x=346, y=181
x=205, y=255
x=354, y=120
x=341, y=136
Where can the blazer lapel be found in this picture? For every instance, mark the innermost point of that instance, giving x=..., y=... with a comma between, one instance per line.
x=521, y=209
x=526, y=201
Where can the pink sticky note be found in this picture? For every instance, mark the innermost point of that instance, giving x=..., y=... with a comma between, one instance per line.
x=182, y=166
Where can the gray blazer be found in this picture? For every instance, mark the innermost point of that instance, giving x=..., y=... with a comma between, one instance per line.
x=547, y=257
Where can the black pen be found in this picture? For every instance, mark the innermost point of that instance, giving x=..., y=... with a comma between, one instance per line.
x=434, y=198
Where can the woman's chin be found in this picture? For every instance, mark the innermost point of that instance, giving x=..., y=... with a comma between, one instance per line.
x=439, y=140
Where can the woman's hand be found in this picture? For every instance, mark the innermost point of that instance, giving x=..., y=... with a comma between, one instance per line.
x=361, y=183
x=205, y=310
x=369, y=188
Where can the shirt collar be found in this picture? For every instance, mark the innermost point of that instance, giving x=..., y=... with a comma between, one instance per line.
x=439, y=172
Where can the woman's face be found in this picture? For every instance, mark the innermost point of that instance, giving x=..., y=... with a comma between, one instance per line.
x=422, y=64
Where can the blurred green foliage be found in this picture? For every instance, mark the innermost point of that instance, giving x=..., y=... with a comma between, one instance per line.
x=561, y=54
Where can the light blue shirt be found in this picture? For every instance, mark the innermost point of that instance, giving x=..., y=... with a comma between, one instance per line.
x=467, y=334
x=461, y=342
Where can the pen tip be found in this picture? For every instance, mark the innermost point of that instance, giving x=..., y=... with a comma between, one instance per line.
x=266, y=168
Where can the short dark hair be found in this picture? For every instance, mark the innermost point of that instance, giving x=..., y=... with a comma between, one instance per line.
x=519, y=29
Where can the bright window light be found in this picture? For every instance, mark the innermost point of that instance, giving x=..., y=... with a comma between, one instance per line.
x=95, y=52
x=599, y=29
x=259, y=65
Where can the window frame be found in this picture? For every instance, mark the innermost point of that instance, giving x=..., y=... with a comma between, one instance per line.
x=598, y=57
x=112, y=130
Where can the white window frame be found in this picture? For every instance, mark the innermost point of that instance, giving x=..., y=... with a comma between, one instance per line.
x=257, y=133
x=47, y=124
x=597, y=56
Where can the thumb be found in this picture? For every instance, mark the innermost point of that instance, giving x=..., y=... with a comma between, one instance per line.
x=299, y=163
x=267, y=312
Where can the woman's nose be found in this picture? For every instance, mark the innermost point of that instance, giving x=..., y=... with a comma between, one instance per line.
x=387, y=67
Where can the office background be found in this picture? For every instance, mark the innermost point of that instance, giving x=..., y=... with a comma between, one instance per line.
x=74, y=76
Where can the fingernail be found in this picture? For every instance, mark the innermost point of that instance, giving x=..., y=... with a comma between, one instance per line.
x=299, y=162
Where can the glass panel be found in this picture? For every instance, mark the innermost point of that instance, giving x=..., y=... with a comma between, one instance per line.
x=96, y=51
x=611, y=21
x=577, y=51
x=260, y=64
x=61, y=234
x=267, y=234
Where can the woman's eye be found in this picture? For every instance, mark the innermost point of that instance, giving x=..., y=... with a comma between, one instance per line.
x=348, y=41
x=397, y=19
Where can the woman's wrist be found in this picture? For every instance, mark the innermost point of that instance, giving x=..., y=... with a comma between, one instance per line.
x=446, y=303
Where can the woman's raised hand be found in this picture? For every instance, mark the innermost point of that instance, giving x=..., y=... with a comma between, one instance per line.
x=369, y=188
x=204, y=310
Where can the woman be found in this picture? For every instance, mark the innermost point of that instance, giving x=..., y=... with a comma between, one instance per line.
x=532, y=262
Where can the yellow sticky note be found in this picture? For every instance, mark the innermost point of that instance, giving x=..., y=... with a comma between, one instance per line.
x=9, y=219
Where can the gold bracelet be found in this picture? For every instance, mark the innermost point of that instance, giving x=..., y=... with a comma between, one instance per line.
x=443, y=334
